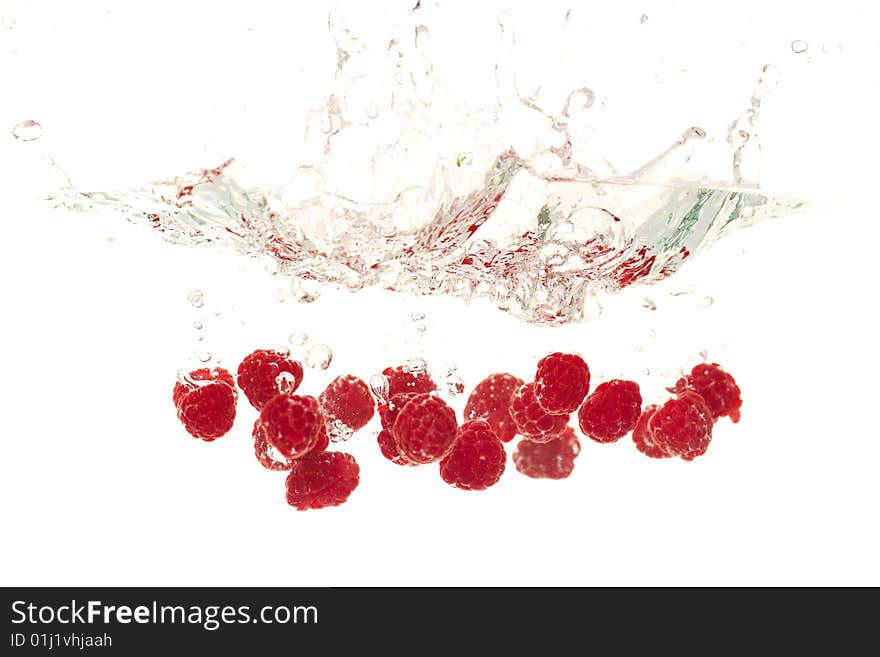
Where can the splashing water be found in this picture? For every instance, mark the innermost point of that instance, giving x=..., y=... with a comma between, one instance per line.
x=409, y=186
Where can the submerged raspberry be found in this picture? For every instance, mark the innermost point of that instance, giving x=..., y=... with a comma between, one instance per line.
x=402, y=381
x=611, y=411
x=561, y=383
x=425, y=429
x=388, y=412
x=682, y=426
x=203, y=374
x=490, y=401
x=477, y=459
x=291, y=424
x=271, y=459
x=717, y=387
x=322, y=479
x=208, y=410
x=551, y=460
x=389, y=448
x=258, y=374
x=531, y=420
x=642, y=435
x=348, y=400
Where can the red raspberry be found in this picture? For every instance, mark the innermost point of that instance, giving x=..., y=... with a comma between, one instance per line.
x=532, y=421
x=611, y=411
x=561, y=383
x=717, y=387
x=682, y=426
x=388, y=412
x=271, y=459
x=207, y=411
x=642, y=435
x=552, y=460
x=290, y=423
x=203, y=374
x=322, y=479
x=400, y=381
x=490, y=401
x=425, y=429
x=477, y=459
x=389, y=448
x=258, y=372
x=348, y=400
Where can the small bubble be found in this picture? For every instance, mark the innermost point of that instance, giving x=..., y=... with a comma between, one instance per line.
x=379, y=387
x=372, y=111
x=285, y=382
x=643, y=19
x=705, y=302
x=647, y=371
x=198, y=326
x=704, y=354
x=283, y=350
x=451, y=369
x=415, y=366
x=740, y=251
x=683, y=289
x=196, y=298
x=454, y=385
x=298, y=338
x=648, y=303
x=205, y=356
x=652, y=333
x=339, y=431
x=280, y=295
x=417, y=317
x=798, y=46
x=28, y=130
x=421, y=328
x=200, y=337
x=319, y=356
x=304, y=291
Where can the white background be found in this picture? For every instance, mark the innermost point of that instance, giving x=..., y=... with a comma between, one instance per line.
x=101, y=486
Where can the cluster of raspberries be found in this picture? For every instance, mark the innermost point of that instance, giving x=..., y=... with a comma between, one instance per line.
x=418, y=427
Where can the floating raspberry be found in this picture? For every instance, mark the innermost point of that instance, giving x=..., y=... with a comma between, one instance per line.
x=203, y=374
x=389, y=448
x=531, y=420
x=490, y=401
x=717, y=387
x=258, y=374
x=425, y=429
x=348, y=400
x=561, y=383
x=682, y=426
x=207, y=411
x=271, y=459
x=477, y=459
x=642, y=435
x=402, y=380
x=290, y=423
x=551, y=460
x=611, y=411
x=322, y=479
x=388, y=412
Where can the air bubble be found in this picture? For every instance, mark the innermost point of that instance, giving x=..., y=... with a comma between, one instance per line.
x=285, y=381
x=198, y=326
x=319, y=356
x=196, y=298
x=648, y=303
x=280, y=295
x=298, y=338
x=379, y=387
x=683, y=289
x=417, y=317
x=339, y=431
x=205, y=356
x=372, y=111
x=798, y=46
x=28, y=130
x=415, y=366
x=705, y=302
x=704, y=355
x=643, y=19
x=304, y=291
x=454, y=385
x=451, y=369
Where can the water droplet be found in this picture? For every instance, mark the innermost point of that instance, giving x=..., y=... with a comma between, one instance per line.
x=740, y=251
x=198, y=326
x=683, y=289
x=417, y=317
x=648, y=303
x=196, y=298
x=454, y=385
x=415, y=366
x=705, y=302
x=643, y=19
x=319, y=356
x=304, y=291
x=379, y=387
x=798, y=46
x=298, y=338
x=28, y=130
x=339, y=431
x=205, y=356
x=285, y=382
x=704, y=354
x=283, y=350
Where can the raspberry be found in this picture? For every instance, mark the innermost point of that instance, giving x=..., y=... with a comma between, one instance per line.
x=290, y=423
x=207, y=411
x=561, y=383
x=717, y=387
x=682, y=426
x=551, y=460
x=477, y=459
x=490, y=401
x=389, y=411
x=322, y=479
x=203, y=374
x=389, y=448
x=275, y=461
x=401, y=381
x=642, y=435
x=611, y=411
x=348, y=400
x=532, y=421
x=258, y=372
x=425, y=429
